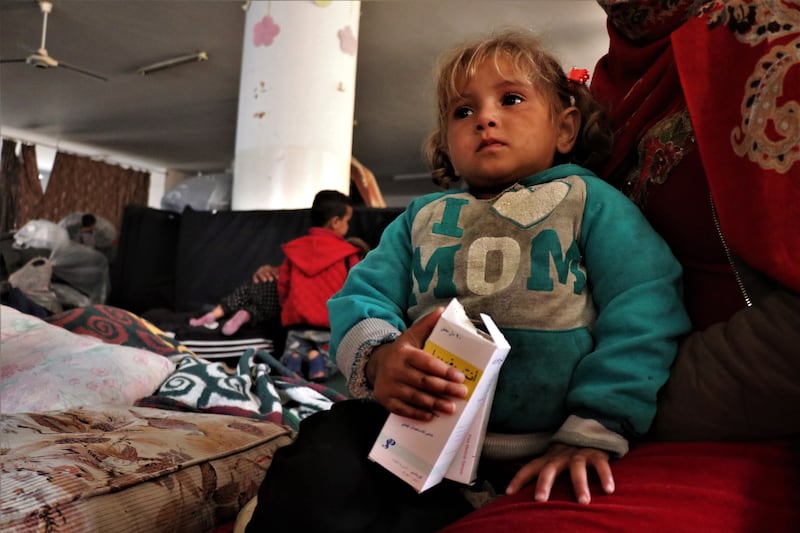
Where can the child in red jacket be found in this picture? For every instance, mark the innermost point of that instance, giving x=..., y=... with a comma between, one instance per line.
x=315, y=268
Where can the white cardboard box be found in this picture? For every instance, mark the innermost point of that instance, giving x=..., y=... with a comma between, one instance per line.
x=420, y=452
x=464, y=466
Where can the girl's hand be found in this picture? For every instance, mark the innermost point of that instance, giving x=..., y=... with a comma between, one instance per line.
x=558, y=458
x=411, y=382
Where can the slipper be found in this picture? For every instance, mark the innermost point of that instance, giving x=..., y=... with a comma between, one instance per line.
x=317, y=369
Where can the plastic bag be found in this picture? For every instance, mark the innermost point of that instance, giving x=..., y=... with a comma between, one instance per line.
x=105, y=233
x=84, y=268
x=33, y=279
x=70, y=297
x=202, y=193
x=41, y=234
x=33, y=276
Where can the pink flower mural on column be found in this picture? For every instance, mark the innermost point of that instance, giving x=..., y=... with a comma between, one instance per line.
x=265, y=31
x=347, y=41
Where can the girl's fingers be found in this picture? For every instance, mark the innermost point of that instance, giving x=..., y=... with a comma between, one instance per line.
x=580, y=480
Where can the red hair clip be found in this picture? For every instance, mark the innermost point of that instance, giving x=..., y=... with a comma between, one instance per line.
x=578, y=75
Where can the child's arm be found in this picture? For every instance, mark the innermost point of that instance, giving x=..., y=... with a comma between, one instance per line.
x=612, y=394
x=373, y=340
x=636, y=288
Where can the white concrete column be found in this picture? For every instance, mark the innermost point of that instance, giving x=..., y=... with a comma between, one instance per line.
x=294, y=130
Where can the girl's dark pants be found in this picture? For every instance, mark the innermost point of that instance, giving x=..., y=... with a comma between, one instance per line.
x=324, y=482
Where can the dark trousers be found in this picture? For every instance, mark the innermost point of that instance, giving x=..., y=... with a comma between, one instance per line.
x=324, y=482
x=258, y=299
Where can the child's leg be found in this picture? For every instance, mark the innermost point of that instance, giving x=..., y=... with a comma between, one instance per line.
x=317, y=369
x=293, y=353
x=238, y=298
x=319, y=365
x=208, y=318
x=265, y=305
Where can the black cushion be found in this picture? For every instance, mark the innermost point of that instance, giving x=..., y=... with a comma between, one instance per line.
x=188, y=262
x=219, y=251
x=142, y=273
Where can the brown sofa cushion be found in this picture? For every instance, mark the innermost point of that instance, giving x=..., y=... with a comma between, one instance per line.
x=737, y=380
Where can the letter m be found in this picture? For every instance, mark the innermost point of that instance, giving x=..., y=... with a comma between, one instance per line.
x=545, y=247
x=442, y=261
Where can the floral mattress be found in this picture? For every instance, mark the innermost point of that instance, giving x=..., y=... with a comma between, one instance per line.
x=123, y=468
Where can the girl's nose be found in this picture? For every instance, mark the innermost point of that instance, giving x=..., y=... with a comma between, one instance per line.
x=485, y=120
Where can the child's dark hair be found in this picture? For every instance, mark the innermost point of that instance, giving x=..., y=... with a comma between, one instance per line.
x=529, y=58
x=328, y=204
x=88, y=220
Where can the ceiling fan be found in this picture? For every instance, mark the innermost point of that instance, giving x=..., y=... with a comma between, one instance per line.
x=41, y=58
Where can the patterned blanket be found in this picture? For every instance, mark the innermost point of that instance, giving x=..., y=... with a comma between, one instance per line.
x=259, y=387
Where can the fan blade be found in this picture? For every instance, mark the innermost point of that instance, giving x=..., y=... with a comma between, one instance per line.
x=21, y=60
x=82, y=71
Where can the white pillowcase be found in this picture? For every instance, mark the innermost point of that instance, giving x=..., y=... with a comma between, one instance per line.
x=47, y=368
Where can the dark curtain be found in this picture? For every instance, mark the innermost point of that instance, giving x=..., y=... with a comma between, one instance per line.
x=31, y=194
x=9, y=184
x=81, y=184
x=21, y=189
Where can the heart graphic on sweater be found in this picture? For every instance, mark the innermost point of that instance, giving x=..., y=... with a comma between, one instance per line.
x=529, y=206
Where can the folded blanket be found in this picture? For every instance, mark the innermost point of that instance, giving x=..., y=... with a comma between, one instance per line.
x=259, y=387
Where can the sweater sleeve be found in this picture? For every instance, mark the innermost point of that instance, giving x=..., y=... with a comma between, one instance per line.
x=636, y=284
x=370, y=309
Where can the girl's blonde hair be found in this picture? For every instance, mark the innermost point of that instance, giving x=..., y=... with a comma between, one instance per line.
x=529, y=58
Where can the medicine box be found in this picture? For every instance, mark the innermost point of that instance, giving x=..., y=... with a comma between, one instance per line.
x=423, y=453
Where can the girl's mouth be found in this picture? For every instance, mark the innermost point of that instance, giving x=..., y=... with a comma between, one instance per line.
x=488, y=143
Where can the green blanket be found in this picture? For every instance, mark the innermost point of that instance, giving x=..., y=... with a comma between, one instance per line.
x=259, y=387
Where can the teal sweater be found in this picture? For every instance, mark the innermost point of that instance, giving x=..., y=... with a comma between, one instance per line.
x=585, y=291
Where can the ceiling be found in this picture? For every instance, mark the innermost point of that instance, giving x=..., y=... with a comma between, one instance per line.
x=184, y=118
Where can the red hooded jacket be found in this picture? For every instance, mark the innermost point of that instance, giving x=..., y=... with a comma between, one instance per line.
x=315, y=268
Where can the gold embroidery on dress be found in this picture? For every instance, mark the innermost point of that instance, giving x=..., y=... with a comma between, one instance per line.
x=769, y=132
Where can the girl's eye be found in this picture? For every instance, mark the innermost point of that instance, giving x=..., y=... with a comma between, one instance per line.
x=461, y=112
x=512, y=99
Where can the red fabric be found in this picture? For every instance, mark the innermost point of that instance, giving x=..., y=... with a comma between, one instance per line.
x=711, y=293
x=742, y=93
x=315, y=268
x=658, y=166
x=640, y=86
x=666, y=487
x=736, y=70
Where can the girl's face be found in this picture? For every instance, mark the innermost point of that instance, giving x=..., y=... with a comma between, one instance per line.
x=501, y=130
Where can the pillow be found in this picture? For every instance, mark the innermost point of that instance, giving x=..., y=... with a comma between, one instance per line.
x=47, y=368
x=117, y=326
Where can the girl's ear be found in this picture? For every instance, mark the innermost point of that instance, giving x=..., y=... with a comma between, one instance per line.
x=568, y=123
